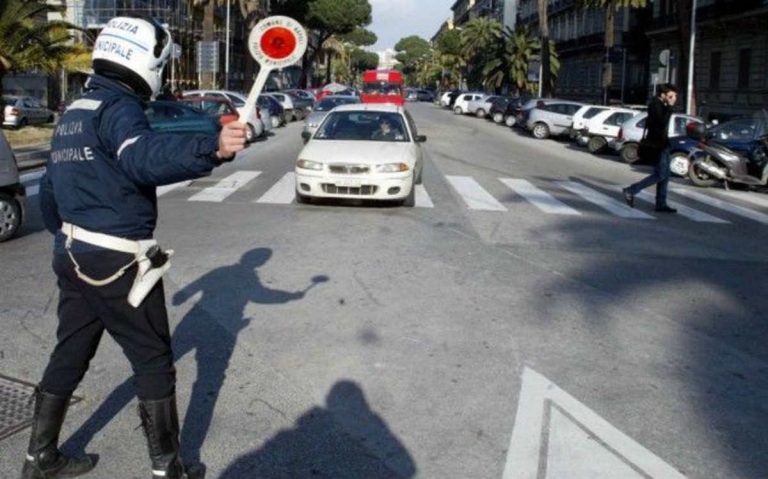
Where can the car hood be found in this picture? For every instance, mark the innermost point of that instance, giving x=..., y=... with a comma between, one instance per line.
x=358, y=152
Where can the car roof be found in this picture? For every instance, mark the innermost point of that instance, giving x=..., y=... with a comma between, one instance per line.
x=343, y=97
x=206, y=98
x=378, y=107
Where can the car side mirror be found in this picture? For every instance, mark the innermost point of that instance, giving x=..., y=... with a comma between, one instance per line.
x=421, y=138
x=305, y=135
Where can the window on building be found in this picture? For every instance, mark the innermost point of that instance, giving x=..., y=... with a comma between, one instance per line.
x=745, y=63
x=714, y=70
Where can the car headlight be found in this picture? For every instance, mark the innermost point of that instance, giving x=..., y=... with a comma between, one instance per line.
x=392, y=168
x=309, y=165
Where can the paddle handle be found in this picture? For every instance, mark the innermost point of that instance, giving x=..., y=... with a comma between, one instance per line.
x=253, y=96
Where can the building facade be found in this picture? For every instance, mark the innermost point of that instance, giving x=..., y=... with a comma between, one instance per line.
x=579, y=36
x=730, y=60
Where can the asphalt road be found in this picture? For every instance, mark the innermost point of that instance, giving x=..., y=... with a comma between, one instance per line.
x=477, y=335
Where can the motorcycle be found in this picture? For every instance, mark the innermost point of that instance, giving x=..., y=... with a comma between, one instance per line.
x=712, y=162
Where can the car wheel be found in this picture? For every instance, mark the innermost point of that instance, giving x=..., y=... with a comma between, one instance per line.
x=679, y=163
x=540, y=131
x=699, y=177
x=596, y=144
x=410, y=200
x=275, y=121
x=22, y=123
x=10, y=217
x=457, y=110
x=498, y=118
x=303, y=199
x=628, y=153
x=480, y=113
x=50, y=119
x=250, y=135
x=510, y=121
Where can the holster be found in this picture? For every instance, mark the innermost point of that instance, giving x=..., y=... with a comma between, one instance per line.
x=147, y=274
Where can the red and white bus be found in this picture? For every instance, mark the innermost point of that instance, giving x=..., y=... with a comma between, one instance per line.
x=383, y=86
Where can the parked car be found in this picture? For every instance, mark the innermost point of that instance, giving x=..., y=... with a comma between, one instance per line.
x=323, y=107
x=461, y=105
x=521, y=113
x=425, y=95
x=605, y=127
x=237, y=99
x=176, y=117
x=481, y=107
x=274, y=108
x=551, y=117
x=12, y=193
x=355, y=155
x=226, y=112
x=505, y=109
x=411, y=94
x=631, y=132
x=580, y=119
x=301, y=104
x=292, y=111
x=306, y=94
x=20, y=111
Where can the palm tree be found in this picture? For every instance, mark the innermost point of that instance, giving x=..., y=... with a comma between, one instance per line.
x=28, y=41
x=478, y=34
x=611, y=7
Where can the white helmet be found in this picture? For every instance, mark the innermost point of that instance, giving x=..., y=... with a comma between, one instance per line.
x=133, y=50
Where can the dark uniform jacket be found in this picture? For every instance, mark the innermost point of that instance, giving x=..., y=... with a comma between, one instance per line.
x=106, y=163
x=657, y=124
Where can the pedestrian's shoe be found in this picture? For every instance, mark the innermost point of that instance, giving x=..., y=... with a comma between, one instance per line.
x=665, y=209
x=160, y=421
x=44, y=460
x=629, y=197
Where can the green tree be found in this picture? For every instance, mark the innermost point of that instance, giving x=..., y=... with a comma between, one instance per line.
x=360, y=37
x=451, y=59
x=481, y=42
x=410, y=52
x=29, y=42
x=611, y=7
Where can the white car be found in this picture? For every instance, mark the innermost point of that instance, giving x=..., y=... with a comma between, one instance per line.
x=237, y=99
x=291, y=112
x=445, y=99
x=580, y=118
x=605, y=126
x=632, y=132
x=362, y=151
x=20, y=111
x=481, y=107
x=461, y=105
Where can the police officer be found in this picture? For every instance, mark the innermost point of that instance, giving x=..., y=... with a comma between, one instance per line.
x=98, y=198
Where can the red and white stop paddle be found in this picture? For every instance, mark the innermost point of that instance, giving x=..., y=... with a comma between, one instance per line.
x=275, y=42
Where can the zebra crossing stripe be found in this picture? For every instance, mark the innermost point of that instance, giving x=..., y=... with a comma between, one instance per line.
x=754, y=198
x=474, y=195
x=682, y=210
x=282, y=192
x=539, y=198
x=603, y=201
x=731, y=208
x=422, y=197
x=161, y=190
x=225, y=187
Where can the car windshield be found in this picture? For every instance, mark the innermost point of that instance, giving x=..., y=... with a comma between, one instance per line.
x=236, y=101
x=592, y=112
x=363, y=126
x=327, y=104
x=736, y=130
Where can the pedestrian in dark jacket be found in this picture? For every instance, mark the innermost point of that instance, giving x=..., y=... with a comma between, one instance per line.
x=98, y=197
x=655, y=144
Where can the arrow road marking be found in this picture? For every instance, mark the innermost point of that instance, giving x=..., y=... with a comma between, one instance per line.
x=555, y=436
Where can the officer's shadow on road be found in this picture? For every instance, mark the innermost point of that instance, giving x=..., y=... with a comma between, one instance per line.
x=210, y=329
x=344, y=439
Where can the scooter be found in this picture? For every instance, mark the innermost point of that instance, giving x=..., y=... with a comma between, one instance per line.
x=712, y=163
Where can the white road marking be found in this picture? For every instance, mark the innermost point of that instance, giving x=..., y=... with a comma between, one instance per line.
x=161, y=190
x=605, y=202
x=282, y=192
x=758, y=199
x=539, y=198
x=422, y=198
x=225, y=187
x=723, y=205
x=557, y=436
x=682, y=210
x=474, y=195
x=27, y=177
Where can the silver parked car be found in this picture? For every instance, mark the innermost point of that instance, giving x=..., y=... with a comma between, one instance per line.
x=20, y=111
x=323, y=107
x=481, y=107
x=551, y=117
x=12, y=193
x=632, y=132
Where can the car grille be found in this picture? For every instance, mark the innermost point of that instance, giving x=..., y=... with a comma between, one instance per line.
x=342, y=169
x=364, y=190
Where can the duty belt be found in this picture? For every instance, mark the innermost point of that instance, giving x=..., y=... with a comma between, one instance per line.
x=152, y=261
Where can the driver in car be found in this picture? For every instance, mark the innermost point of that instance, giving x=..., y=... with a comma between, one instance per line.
x=386, y=132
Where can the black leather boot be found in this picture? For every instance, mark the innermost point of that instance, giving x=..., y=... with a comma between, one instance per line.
x=44, y=460
x=160, y=421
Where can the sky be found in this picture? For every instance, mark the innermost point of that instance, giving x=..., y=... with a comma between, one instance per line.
x=395, y=19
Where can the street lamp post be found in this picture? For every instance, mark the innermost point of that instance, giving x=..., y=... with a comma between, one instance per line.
x=226, y=51
x=691, y=53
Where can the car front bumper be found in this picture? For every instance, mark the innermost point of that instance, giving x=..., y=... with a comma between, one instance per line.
x=392, y=186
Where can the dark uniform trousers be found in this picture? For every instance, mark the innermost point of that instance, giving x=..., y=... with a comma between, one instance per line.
x=85, y=311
